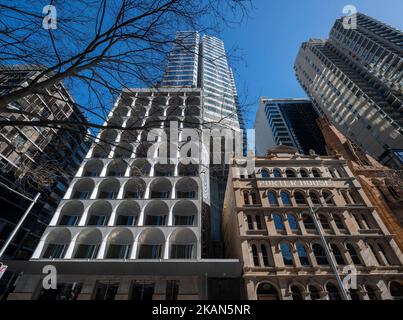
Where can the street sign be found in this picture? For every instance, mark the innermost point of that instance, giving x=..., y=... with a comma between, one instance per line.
x=3, y=269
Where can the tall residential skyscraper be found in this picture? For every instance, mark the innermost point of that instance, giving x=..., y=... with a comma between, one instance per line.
x=183, y=61
x=288, y=122
x=355, y=79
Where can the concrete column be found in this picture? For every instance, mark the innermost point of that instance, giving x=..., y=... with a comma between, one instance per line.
x=39, y=249
x=166, y=250
x=136, y=248
x=70, y=250
x=102, y=250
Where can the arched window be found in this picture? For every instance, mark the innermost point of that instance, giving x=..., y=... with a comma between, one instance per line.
x=339, y=222
x=324, y=222
x=304, y=173
x=264, y=255
x=314, y=293
x=333, y=292
x=266, y=291
x=285, y=197
x=278, y=222
x=258, y=222
x=396, y=290
x=277, y=173
x=314, y=198
x=353, y=254
x=272, y=198
x=296, y=293
x=254, y=197
x=372, y=292
x=293, y=222
x=320, y=255
x=255, y=256
x=328, y=197
x=246, y=198
x=290, y=173
x=316, y=173
x=302, y=254
x=384, y=253
x=265, y=174
x=354, y=294
x=308, y=222
x=337, y=255
x=250, y=222
x=287, y=254
x=299, y=198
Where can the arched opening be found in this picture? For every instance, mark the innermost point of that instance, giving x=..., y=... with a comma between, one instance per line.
x=156, y=214
x=302, y=254
x=290, y=173
x=320, y=255
x=333, y=292
x=339, y=223
x=353, y=254
x=287, y=254
x=278, y=222
x=338, y=256
x=314, y=198
x=396, y=290
x=316, y=173
x=99, y=213
x=328, y=197
x=82, y=189
x=101, y=150
x=265, y=256
x=129, y=136
x=304, y=173
x=324, y=221
x=300, y=199
x=314, y=292
x=272, y=197
x=127, y=214
x=193, y=101
x=266, y=291
x=93, y=168
x=183, y=244
x=87, y=244
x=119, y=244
x=296, y=293
x=265, y=174
x=123, y=151
x=108, y=136
x=156, y=111
x=56, y=244
x=71, y=213
x=185, y=214
x=160, y=188
x=293, y=222
x=151, y=244
x=140, y=168
x=277, y=173
x=308, y=223
x=285, y=197
x=192, y=111
x=109, y=189
x=116, y=168
x=175, y=111
x=186, y=188
x=134, y=189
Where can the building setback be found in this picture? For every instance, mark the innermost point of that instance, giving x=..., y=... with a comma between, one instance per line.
x=355, y=79
x=288, y=122
x=267, y=224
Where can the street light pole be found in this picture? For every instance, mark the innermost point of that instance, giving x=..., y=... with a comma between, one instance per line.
x=17, y=227
x=329, y=256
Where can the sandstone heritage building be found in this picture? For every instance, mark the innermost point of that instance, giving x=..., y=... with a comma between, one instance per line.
x=268, y=224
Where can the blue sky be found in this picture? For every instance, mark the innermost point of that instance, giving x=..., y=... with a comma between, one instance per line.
x=269, y=41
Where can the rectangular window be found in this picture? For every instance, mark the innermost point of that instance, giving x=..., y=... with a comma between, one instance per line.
x=172, y=290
